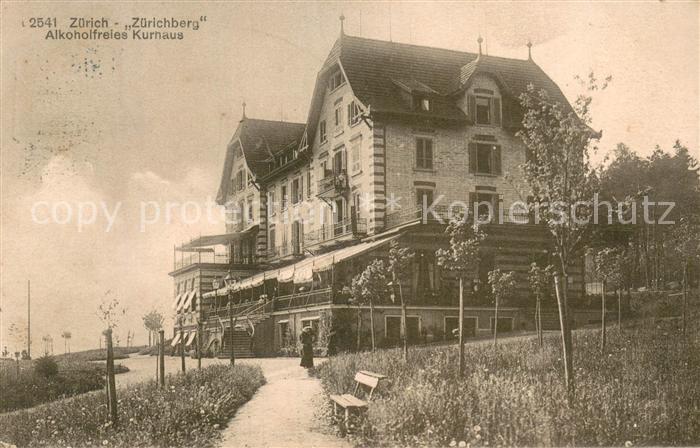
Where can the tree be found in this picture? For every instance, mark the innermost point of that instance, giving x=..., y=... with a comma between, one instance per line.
x=66, y=335
x=607, y=268
x=686, y=242
x=560, y=179
x=369, y=286
x=461, y=258
x=109, y=311
x=400, y=261
x=502, y=286
x=153, y=322
x=540, y=280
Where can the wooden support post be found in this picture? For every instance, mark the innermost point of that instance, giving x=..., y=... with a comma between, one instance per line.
x=111, y=384
x=161, y=358
x=230, y=320
x=182, y=349
x=200, y=332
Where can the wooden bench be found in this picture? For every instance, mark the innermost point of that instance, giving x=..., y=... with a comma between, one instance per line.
x=365, y=382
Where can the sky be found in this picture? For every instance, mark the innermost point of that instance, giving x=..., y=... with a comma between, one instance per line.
x=116, y=123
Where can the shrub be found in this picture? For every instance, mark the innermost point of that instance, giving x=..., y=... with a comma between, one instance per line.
x=643, y=390
x=31, y=388
x=188, y=412
x=46, y=367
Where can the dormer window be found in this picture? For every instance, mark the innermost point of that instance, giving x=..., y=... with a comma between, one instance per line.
x=484, y=109
x=336, y=80
x=425, y=104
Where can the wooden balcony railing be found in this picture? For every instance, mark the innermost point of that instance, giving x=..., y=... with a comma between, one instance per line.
x=296, y=300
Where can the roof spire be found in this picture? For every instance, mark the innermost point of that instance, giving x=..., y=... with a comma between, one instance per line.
x=342, y=19
x=529, y=50
x=243, y=117
x=480, y=40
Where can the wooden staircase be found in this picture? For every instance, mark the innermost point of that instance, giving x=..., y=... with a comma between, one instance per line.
x=243, y=332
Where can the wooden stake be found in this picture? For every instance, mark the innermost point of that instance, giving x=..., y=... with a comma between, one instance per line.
x=161, y=358
x=111, y=383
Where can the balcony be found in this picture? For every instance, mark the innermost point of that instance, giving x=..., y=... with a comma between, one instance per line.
x=283, y=252
x=346, y=229
x=333, y=185
x=442, y=215
x=201, y=258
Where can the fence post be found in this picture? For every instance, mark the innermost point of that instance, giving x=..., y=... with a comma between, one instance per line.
x=111, y=384
x=230, y=320
x=161, y=358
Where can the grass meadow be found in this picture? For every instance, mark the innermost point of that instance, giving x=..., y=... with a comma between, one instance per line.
x=644, y=390
x=189, y=411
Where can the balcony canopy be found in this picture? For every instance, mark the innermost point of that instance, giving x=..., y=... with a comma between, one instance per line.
x=302, y=271
x=197, y=244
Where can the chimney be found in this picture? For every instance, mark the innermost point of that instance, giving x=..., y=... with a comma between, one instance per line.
x=529, y=50
x=480, y=40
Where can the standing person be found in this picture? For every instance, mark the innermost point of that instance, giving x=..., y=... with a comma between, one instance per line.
x=307, y=349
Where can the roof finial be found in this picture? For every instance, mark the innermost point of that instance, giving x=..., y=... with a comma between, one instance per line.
x=342, y=19
x=480, y=40
x=243, y=117
x=529, y=50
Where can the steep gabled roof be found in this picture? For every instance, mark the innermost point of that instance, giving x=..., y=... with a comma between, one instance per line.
x=260, y=141
x=373, y=68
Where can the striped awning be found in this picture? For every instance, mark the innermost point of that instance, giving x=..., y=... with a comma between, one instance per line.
x=190, y=338
x=176, y=302
x=175, y=340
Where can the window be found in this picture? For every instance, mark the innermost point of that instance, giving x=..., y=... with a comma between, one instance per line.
x=284, y=197
x=339, y=161
x=336, y=80
x=425, y=105
x=424, y=153
x=354, y=113
x=271, y=201
x=271, y=238
x=323, y=135
x=323, y=169
x=297, y=237
x=484, y=158
x=355, y=164
x=338, y=117
x=308, y=183
x=483, y=110
x=249, y=211
x=296, y=192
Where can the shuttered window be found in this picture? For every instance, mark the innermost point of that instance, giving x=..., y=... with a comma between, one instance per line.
x=484, y=110
x=355, y=161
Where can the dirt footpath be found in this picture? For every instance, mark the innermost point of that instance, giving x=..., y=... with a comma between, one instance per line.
x=281, y=414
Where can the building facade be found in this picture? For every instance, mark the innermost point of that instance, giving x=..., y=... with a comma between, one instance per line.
x=398, y=139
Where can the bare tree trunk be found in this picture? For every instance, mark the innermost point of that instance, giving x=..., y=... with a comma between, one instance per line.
x=371, y=321
x=495, y=323
x=200, y=332
x=460, y=320
x=359, y=327
x=619, y=309
x=567, y=345
x=539, y=320
x=685, y=294
x=602, y=319
x=232, y=358
x=111, y=383
x=403, y=325
x=161, y=358
x=182, y=350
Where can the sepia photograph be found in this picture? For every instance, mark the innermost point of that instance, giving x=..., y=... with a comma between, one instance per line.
x=340, y=224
